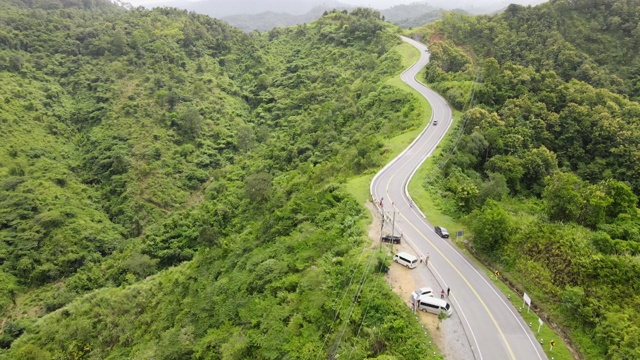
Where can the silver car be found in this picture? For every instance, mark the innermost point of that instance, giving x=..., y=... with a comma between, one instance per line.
x=427, y=291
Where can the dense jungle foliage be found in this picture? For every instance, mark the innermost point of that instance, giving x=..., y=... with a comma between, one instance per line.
x=545, y=165
x=170, y=187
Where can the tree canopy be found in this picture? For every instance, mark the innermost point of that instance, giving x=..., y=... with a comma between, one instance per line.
x=171, y=187
x=544, y=165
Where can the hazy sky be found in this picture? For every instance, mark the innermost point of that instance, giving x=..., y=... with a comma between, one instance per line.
x=383, y=4
x=380, y=4
x=372, y=3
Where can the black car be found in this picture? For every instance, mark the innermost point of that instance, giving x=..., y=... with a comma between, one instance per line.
x=393, y=239
x=442, y=232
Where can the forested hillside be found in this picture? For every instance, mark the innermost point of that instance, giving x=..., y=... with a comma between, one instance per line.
x=544, y=168
x=595, y=41
x=171, y=188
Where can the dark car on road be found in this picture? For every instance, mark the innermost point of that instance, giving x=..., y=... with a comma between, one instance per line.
x=393, y=239
x=442, y=232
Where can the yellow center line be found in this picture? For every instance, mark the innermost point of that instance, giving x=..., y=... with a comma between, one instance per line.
x=504, y=339
x=459, y=273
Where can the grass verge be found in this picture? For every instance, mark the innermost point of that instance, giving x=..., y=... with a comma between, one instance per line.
x=429, y=204
x=560, y=351
x=359, y=186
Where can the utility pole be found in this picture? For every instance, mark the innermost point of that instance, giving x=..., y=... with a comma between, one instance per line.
x=393, y=223
x=381, y=226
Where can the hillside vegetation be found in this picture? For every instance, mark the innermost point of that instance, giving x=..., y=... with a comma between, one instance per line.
x=544, y=167
x=171, y=188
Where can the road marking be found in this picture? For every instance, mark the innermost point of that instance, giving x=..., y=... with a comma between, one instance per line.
x=504, y=339
x=387, y=186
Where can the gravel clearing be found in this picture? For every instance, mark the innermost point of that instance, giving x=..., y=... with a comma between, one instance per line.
x=449, y=335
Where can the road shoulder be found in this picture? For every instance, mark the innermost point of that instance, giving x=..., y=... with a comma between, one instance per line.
x=448, y=335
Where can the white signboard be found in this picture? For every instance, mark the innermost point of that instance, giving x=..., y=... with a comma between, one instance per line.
x=527, y=300
x=539, y=324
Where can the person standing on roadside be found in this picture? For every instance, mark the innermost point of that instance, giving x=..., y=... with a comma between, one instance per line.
x=442, y=294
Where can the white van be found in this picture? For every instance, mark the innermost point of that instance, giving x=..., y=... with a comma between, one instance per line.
x=434, y=305
x=406, y=259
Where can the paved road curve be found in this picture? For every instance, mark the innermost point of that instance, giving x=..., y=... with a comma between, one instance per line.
x=493, y=326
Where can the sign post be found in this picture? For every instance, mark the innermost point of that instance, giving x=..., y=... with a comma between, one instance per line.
x=527, y=300
x=552, y=343
x=539, y=324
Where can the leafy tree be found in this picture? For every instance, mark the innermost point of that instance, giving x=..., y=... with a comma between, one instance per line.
x=563, y=197
x=257, y=187
x=9, y=290
x=494, y=188
x=246, y=138
x=624, y=201
x=491, y=226
x=189, y=122
x=119, y=42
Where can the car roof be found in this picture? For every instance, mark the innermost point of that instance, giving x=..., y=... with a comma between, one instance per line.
x=433, y=300
x=424, y=290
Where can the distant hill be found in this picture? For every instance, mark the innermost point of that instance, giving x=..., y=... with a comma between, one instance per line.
x=476, y=7
x=250, y=15
x=413, y=15
x=401, y=12
x=419, y=20
x=224, y=8
x=406, y=16
x=269, y=19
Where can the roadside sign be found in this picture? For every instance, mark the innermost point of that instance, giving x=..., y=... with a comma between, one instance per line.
x=460, y=233
x=539, y=324
x=527, y=300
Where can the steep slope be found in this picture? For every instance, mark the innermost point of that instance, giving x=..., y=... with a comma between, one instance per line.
x=171, y=186
x=592, y=41
x=543, y=169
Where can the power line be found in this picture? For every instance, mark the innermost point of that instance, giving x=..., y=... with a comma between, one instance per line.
x=335, y=347
x=366, y=310
x=346, y=289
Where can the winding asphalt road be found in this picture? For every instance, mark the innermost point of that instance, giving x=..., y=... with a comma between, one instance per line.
x=493, y=326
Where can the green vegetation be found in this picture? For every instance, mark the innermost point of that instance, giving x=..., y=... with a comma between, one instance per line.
x=543, y=168
x=173, y=188
x=595, y=41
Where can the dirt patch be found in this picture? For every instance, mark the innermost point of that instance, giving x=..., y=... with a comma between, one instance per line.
x=403, y=282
